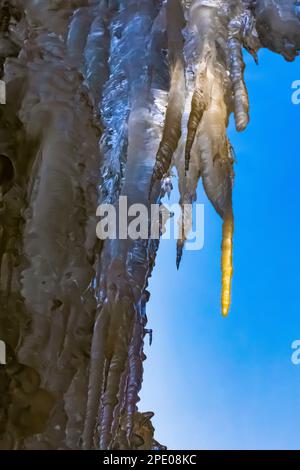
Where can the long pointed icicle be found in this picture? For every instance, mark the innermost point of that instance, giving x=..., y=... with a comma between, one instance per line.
x=206, y=138
x=227, y=266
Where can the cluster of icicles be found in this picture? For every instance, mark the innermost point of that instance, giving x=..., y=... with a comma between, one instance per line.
x=97, y=97
x=206, y=67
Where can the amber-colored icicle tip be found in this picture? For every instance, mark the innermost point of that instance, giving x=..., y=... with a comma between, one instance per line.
x=227, y=269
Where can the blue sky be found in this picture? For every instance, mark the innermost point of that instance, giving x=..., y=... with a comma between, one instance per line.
x=218, y=383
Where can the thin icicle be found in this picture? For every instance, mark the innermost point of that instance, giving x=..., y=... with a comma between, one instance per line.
x=227, y=269
x=199, y=105
x=172, y=126
x=237, y=66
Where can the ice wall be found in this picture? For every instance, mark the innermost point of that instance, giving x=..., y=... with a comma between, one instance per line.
x=104, y=97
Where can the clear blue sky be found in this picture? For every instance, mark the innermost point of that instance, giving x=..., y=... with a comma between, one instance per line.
x=218, y=383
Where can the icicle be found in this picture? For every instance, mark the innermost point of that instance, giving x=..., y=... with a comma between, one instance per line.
x=172, y=126
x=241, y=102
x=125, y=277
x=237, y=66
x=172, y=129
x=199, y=105
x=227, y=270
x=185, y=221
x=118, y=341
x=206, y=140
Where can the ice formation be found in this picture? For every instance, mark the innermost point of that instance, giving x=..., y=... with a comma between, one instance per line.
x=104, y=97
